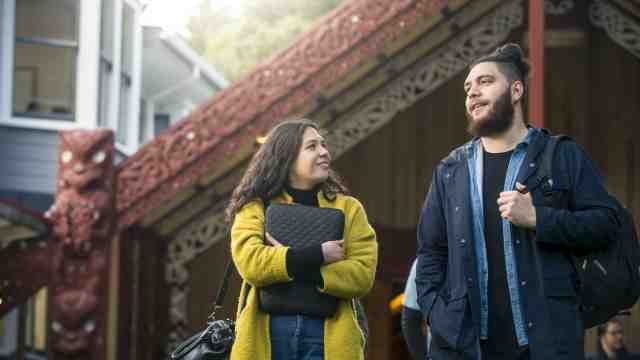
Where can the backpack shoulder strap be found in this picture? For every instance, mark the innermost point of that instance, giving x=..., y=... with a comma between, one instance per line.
x=545, y=171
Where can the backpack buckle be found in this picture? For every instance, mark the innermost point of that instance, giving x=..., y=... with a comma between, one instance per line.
x=546, y=186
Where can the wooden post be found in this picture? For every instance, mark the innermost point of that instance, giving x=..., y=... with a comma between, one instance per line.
x=84, y=223
x=536, y=57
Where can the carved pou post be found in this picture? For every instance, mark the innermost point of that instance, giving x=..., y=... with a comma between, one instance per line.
x=83, y=217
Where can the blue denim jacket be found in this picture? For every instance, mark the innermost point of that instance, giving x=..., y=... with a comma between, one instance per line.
x=475, y=161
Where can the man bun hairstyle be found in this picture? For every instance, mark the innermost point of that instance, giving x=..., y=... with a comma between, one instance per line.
x=510, y=60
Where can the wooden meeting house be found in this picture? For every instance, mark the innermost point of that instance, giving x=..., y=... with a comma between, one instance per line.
x=385, y=79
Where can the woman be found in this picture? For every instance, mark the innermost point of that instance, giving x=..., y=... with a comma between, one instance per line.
x=293, y=165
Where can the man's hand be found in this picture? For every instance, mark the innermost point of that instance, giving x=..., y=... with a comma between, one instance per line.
x=333, y=251
x=517, y=207
x=271, y=240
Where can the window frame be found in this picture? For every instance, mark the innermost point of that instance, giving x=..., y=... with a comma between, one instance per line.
x=86, y=63
x=131, y=143
x=88, y=71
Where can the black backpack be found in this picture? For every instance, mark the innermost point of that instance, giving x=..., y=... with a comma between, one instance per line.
x=609, y=279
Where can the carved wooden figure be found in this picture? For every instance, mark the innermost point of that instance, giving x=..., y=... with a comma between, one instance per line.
x=83, y=217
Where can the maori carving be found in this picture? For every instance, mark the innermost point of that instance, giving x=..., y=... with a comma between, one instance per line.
x=558, y=7
x=271, y=92
x=83, y=217
x=424, y=78
x=188, y=244
x=417, y=83
x=25, y=257
x=621, y=28
x=25, y=266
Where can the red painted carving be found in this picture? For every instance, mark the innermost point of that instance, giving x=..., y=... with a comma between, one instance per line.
x=83, y=217
x=344, y=39
x=25, y=267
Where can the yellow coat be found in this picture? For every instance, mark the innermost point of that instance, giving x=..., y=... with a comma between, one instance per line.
x=261, y=265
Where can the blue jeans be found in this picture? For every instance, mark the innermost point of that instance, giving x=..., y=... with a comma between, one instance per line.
x=296, y=337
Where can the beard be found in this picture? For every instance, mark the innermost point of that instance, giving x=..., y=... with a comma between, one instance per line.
x=498, y=120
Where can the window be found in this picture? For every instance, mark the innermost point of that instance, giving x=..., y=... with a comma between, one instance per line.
x=107, y=55
x=119, y=71
x=71, y=63
x=161, y=122
x=125, y=122
x=45, y=45
x=45, y=57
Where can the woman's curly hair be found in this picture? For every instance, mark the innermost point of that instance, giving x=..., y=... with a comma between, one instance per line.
x=269, y=169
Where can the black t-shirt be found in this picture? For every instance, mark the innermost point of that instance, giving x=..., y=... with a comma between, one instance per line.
x=502, y=342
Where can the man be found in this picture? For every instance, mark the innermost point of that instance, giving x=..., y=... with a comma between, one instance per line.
x=494, y=277
x=611, y=343
x=415, y=334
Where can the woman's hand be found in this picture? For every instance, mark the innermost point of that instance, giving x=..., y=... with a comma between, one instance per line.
x=272, y=240
x=333, y=251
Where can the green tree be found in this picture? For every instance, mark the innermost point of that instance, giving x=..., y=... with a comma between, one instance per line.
x=234, y=46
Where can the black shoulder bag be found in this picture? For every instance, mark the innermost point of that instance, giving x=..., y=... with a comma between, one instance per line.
x=215, y=341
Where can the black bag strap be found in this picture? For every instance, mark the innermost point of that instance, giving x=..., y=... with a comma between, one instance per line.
x=545, y=170
x=188, y=345
x=222, y=291
x=225, y=282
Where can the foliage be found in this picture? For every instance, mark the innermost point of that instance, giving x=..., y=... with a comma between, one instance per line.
x=236, y=44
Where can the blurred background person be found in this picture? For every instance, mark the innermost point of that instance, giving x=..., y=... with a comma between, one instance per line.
x=611, y=343
x=414, y=328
